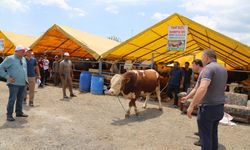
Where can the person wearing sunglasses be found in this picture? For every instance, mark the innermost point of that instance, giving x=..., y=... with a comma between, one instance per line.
x=14, y=69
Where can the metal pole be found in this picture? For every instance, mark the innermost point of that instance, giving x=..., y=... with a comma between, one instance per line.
x=100, y=67
x=152, y=61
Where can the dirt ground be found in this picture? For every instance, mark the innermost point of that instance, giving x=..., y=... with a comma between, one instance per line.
x=91, y=122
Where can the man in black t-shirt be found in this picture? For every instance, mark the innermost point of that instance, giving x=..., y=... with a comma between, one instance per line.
x=187, y=76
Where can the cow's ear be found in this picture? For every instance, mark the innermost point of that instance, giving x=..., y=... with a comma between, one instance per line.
x=126, y=79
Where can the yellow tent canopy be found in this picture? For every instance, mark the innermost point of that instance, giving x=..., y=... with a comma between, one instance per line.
x=154, y=40
x=76, y=42
x=11, y=40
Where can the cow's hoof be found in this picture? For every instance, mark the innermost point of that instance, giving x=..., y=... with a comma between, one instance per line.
x=144, y=107
x=126, y=116
x=137, y=114
x=160, y=109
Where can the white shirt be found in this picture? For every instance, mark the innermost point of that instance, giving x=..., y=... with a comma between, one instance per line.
x=45, y=64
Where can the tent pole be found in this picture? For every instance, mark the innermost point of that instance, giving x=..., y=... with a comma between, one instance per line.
x=152, y=61
x=100, y=66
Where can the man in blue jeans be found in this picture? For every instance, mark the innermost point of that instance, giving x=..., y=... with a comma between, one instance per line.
x=14, y=69
x=210, y=95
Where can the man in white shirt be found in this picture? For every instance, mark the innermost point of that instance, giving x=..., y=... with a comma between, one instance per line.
x=46, y=69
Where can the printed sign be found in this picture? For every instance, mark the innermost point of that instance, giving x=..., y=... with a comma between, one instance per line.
x=177, y=38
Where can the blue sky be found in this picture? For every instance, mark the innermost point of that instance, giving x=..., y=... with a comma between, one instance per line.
x=123, y=18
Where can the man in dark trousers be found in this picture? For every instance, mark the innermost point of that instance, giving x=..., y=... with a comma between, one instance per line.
x=211, y=98
x=197, y=68
x=175, y=83
x=40, y=65
x=187, y=76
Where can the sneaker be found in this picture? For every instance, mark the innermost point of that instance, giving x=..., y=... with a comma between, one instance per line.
x=174, y=106
x=21, y=115
x=196, y=133
x=10, y=118
x=31, y=104
x=66, y=97
x=197, y=143
x=40, y=86
x=72, y=95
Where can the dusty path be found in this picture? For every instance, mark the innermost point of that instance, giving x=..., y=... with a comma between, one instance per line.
x=90, y=122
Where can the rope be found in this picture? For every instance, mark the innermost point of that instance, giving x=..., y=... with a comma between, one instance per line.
x=164, y=88
x=123, y=106
x=121, y=103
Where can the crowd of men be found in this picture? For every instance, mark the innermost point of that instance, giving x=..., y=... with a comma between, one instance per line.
x=22, y=71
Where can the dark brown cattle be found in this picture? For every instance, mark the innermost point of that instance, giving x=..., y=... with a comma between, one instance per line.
x=134, y=84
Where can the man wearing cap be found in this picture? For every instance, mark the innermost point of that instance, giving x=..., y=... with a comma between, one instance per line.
x=66, y=74
x=33, y=74
x=55, y=71
x=14, y=69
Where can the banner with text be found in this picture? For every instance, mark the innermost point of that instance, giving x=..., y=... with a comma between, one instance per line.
x=177, y=38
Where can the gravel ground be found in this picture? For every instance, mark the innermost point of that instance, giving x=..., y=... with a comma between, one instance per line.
x=93, y=122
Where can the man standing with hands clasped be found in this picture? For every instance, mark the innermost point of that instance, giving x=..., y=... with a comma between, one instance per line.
x=210, y=95
x=66, y=74
x=14, y=69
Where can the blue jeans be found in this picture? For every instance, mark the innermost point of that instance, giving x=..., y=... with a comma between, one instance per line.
x=208, y=120
x=16, y=94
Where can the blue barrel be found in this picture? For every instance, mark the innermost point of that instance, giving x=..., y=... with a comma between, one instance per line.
x=97, y=84
x=85, y=80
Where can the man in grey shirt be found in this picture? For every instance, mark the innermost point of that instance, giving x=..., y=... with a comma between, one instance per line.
x=210, y=95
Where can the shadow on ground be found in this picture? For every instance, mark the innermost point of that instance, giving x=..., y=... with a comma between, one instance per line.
x=18, y=123
x=221, y=147
x=146, y=114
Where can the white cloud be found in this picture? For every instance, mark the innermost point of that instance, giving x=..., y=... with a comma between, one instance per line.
x=128, y=2
x=24, y=5
x=159, y=16
x=207, y=21
x=13, y=5
x=80, y=12
x=243, y=37
x=230, y=17
x=61, y=4
x=112, y=9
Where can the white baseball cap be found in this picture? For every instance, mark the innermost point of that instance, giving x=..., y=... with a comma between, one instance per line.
x=28, y=49
x=66, y=54
x=20, y=48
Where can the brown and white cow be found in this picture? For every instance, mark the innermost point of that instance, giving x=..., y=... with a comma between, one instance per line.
x=135, y=83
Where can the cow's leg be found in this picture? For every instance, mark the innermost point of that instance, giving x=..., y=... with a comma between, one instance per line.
x=128, y=111
x=146, y=101
x=136, y=111
x=158, y=93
